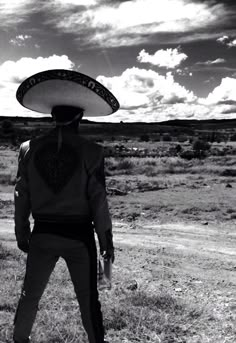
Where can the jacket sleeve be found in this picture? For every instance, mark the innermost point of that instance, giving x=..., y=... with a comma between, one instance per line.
x=98, y=202
x=22, y=199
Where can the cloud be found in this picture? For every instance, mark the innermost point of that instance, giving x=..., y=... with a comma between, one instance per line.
x=16, y=72
x=226, y=40
x=222, y=94
x=169, y=58
x=221, y=102
x=229, y=110
x=85, y=3
x=134, y=22
x=13, y=12
x=146, y=88
x=212, y=62
x=20, y=40
x=223, y=39
x=232, y=43
x=147, y=96
x=13, y=73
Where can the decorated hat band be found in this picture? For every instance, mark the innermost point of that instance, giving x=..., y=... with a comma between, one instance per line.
x=59, y=87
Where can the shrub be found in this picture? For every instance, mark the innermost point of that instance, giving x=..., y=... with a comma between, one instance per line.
x=178, y=148
x=187, y=154
x=167, y=138
x=144, y=138
x=157, y=138
x=7, y=125
x=229, y=172
x=200, y=148
x=182, y=139
x=233, y=138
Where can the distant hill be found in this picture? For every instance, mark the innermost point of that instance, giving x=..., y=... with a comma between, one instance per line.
x=28, y=127
x=32, y=119
x=208, y=123
x=230, y=123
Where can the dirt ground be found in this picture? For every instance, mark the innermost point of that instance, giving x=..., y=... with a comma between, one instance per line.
x=179, y=240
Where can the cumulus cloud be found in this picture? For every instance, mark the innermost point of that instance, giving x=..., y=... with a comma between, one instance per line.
x=140, y=87
x=232, y=43
x=20, y=40
x=226, y=40
x=13, y=73
x=222, y=94
x=145, y=95
x=169, y=58
x=16, y=72
x=223, y=39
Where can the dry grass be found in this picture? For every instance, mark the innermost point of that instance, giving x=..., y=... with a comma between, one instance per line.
x=169, y=304
x=182, y=296
x=154, y=166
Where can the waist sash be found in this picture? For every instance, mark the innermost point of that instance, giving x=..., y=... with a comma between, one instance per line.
x=74, y=227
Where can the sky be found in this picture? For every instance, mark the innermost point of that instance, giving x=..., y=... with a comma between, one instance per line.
x=162, y=59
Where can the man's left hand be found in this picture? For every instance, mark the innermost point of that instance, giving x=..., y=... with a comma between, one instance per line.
x=23, y=246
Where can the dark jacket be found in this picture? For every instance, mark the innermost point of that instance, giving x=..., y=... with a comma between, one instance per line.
x=68, y=185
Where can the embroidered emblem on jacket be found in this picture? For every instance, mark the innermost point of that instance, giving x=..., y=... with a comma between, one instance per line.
x=56, y=167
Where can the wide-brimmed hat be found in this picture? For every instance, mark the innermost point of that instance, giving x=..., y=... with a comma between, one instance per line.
x=58, y=87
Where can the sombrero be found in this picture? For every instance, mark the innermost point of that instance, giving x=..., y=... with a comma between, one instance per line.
x=58, y=87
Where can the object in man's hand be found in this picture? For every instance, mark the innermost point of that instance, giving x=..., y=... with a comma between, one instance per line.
x=104, y=274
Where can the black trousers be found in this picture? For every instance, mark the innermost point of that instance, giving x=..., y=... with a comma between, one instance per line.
x=81, y=259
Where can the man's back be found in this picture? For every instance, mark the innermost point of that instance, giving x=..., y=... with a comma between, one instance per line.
x=66, y=184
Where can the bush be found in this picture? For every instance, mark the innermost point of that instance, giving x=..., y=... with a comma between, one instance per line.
x=166, y=138
x=7, y=125
x=144, y=138
x=187, y=154
x=182, y=139
x=229, y=172
x=200, y=148
x=233, y=138
x=178, y=148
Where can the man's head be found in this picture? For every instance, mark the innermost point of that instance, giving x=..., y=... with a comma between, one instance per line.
x=68, y=116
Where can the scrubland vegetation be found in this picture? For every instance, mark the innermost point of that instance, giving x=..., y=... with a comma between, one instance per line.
x=155, y=298
x=174, y=219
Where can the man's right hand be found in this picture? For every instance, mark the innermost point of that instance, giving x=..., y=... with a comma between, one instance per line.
x=108, y=251
x=107, y=255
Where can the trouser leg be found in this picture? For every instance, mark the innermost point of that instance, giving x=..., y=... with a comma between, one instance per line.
x=39, y=267
x=82, y=265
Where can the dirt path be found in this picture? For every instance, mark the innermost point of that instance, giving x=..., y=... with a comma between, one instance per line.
x=219, y=240
x=197, y=238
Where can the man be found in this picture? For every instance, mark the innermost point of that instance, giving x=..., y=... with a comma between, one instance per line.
x=60, y=181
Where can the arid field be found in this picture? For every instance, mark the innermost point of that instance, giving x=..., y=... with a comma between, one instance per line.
x=174, y=277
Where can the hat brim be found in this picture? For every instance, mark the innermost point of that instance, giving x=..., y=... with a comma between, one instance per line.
x=59, y=87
